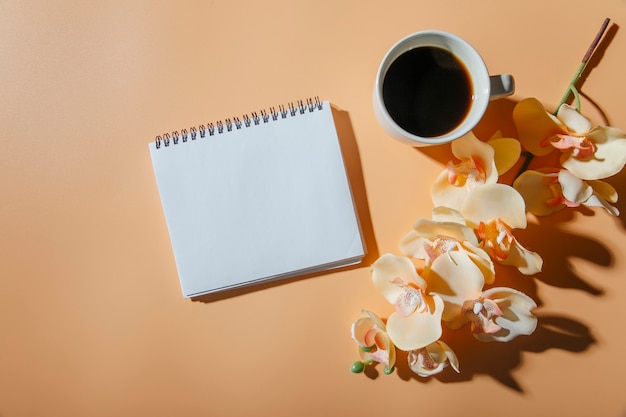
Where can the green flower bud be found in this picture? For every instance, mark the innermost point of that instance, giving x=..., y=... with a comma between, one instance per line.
x=357, y=367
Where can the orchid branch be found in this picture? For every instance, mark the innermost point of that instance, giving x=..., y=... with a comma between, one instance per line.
x=571, y=88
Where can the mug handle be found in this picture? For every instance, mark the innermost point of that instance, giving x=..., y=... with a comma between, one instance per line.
x=501, y=86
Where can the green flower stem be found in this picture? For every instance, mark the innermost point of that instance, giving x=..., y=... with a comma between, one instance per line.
x=528, y=157
x=572, y=89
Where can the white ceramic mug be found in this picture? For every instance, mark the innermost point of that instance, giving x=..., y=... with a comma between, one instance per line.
x=482, y=88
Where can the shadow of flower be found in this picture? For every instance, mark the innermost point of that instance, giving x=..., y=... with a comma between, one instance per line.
x=500, y=360
x=559, y=248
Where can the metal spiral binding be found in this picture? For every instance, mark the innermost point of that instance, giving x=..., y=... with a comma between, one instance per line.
x=227, y=125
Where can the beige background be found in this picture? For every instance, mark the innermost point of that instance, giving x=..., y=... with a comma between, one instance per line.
x=92, y=322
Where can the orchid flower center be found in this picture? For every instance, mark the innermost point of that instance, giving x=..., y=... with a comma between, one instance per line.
x=496, y=236
x=439, y=246
x=374, y=337
x=409, y=300
x=470, y=172
x=581, y=146
x=557, y=193
x=423, y=359
x=381, y=353
x=482, y=312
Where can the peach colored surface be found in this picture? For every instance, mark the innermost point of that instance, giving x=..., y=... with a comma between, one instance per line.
x=92, y=322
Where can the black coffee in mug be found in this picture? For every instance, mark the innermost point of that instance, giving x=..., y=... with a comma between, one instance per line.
x=427, y=91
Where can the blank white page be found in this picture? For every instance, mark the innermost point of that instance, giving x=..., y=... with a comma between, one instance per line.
x=267, y=201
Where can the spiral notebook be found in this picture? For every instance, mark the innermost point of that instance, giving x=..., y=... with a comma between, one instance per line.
x=257, y=198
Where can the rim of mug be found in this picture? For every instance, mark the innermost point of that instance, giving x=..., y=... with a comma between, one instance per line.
x=480, y=98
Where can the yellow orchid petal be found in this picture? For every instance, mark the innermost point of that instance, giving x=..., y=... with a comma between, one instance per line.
x=471, y=149
x=507, y=153
x=455, y=278
x=374, y=318
x=574, y=189
x=608, y=159
x=419, y=329
x=412, y=244
x=369, y=332
x=384, y=351
x=431, y=229
x=447, y=215
x=495, y=201
x=526, y=261
x=476, y=166
x=469, y=146
x=447, y=195
x=534, y=125
x=432, y=359
x=496, y=135
x=359, y=330
x=536, y=189
x=597, y=201
x=392, y=355
x=482, y=260
x=450, y=355
x=575, y=122
x=428, y=249
x=604, y=190
x=385, y=356
x=430, y=239
x=387, y=269
x=516, y=318
x=593, y=193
